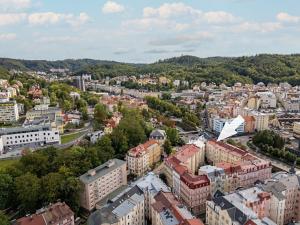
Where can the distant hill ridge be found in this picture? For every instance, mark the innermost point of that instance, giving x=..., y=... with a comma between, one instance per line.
x=246, y=69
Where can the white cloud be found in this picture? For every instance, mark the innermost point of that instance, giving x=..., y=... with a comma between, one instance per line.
x=218, y=17
x=285, y=17
x=181, y=26
x=54, y=18
x=80, y=20
x=112, y=7
x=170, y=9
x=11, y=18
x=46, y=18
x=257, y=27
x=146, y=23
x=14, y=5
x=7, y=37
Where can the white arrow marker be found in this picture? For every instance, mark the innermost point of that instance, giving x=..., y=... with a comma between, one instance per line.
x=229, y=129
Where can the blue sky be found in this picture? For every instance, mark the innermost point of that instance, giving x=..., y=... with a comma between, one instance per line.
x=147, y=30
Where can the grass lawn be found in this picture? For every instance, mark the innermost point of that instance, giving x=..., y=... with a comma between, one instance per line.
x=70, y=137
x=8, y=162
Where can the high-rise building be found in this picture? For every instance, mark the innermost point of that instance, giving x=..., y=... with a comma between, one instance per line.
x=99, y=182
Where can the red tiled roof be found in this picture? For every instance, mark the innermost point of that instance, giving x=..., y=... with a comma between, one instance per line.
x=228, y=147
x=186, y=152
x=31, y=220
x=195, y=181
x=142, y=147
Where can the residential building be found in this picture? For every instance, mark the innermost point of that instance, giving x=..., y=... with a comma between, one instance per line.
x=97, y=183
x=9, y=112
x=142, y=157
x=126, y=209
x=167, y=210
x=194, y=191
x=54, y=214
x=249, y=124
x=233, y=209
x=95, y=136
x=254, y=102
x=267, y=99
x=28, y=137
x=261, y=121
x=285, y=197
x=190, y=156
x=217, y=152
x=80, y=82
x=151, y=185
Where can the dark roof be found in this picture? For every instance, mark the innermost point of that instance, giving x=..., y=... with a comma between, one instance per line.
x=234, y=213
x=105, y=215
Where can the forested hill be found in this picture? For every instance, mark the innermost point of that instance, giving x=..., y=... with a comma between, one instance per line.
x=266, y=68
x=44, y=65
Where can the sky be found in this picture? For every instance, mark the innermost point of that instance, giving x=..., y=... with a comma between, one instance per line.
x=142, y=31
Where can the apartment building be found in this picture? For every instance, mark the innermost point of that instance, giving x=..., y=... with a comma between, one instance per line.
x=274, y=202
x=194, y=191
x=217, y=152
x=151, y=185
x=9, y=112
x=285, y=197
x=191, y=156
x=58, y=213
x=167, y=210
x=232, y=209
x=28, y=137
x=99, y=182
x=142, y=157
x=126, y=209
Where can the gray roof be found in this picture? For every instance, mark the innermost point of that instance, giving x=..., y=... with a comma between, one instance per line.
x=152, y=183
x=118, y=208
x=158, y=133
x=101, y=170
x=17, y=130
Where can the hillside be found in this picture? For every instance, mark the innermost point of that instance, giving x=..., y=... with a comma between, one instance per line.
x=266, y=68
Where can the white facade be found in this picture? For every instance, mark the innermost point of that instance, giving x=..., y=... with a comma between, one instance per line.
x=218, y=124
x=9, y=112
x=267, y=100
x=30, y=137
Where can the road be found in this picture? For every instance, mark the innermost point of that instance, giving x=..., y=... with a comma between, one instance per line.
x=276, y=163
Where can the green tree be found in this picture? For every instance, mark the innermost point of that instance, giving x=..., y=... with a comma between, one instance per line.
x=4, y=219
x=28, y=190
x=173, y=135
x=100, y=113
x=35, y=163
x=51, y=186
x=6, y=187
x=168, y=147
x=106, y=150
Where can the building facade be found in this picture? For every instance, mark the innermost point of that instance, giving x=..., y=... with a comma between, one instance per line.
x=142, y=157
x=9, y=112
x=101, y=181
x=28, y=137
